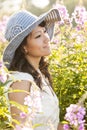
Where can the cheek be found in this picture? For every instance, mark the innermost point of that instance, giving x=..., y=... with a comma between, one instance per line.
x=34, y=49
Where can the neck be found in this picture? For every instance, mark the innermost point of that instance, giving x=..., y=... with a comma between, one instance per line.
x=34, y=61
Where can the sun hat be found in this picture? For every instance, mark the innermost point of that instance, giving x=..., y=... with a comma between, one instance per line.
x=21, y=24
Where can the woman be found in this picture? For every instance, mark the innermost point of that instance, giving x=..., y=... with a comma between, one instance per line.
x=29, y=38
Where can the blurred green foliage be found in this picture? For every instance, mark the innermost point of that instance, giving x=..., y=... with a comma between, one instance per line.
x=2, y=47
x=69, y=67
x=5, y=117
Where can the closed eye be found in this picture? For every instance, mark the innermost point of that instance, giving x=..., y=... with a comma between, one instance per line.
x=38, y=36
x=45, y=31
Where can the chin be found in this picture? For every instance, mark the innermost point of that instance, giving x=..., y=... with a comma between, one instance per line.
x=47, y=54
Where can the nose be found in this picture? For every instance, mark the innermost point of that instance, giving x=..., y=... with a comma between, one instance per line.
x=46, y=38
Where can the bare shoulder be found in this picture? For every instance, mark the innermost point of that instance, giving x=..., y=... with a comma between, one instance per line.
x=19, y=96
x=22, y=85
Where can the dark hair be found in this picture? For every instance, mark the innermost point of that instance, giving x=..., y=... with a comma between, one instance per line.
x=20, y=63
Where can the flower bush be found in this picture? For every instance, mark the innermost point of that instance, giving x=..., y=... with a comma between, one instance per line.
x=68, y=62
x=4, y=112
x=75, y=115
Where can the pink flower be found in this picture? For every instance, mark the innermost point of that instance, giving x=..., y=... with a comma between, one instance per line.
x=80, y=15
x=3, y=74
x=33, y=101
x=66, y=127
x=3, y=78
x=75, y=116
x=2, y=28
x=64, y=14
x=28, y=101
x=23, y=115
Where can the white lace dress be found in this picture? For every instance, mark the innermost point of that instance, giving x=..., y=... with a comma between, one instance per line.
x=49, y=115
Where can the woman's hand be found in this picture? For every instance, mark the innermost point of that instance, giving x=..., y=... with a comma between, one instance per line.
x=60, y=127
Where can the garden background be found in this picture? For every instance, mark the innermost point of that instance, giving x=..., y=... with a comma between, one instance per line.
x=68, y=62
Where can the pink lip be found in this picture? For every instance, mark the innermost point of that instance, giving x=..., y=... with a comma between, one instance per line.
x=46, y=46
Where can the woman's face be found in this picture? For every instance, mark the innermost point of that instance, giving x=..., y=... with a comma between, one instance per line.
x=38, y=43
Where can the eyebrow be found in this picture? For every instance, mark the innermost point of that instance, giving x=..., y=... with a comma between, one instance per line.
x=39, y=31
x=36, y=32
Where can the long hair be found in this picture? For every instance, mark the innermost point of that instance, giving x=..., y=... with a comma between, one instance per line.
x=20, y=63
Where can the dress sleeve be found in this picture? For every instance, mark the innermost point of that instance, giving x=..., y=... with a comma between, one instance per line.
x=18, y=76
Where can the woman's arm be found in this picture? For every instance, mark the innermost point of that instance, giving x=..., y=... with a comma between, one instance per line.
x=60, y=127
x=18, y=97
